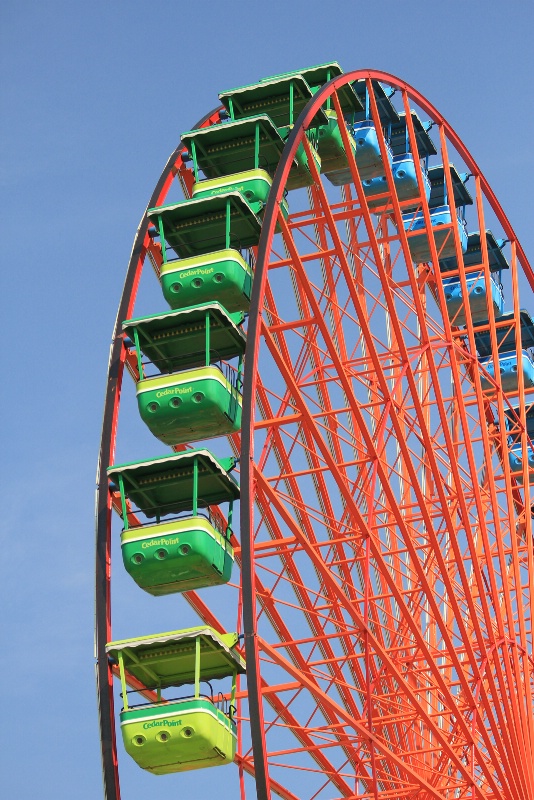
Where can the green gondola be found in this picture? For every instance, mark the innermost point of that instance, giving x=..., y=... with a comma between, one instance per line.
x=253, y=184
x=195, y=227
x=192, y=398
x=185, y=552
x=250, y=143
x=282, y=98
x=223, y=275
x=176, y=735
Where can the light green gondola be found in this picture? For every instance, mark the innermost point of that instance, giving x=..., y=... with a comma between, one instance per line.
x=178, y=735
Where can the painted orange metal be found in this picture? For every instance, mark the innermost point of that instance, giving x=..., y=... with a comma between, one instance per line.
x=387, y=567
x=464, y=726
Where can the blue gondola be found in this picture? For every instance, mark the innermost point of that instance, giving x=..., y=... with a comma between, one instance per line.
x=443, y=237
x=512, y=415
x=404, y=174
x=368, y=157
x=477, y=297
x=438, y=188
x=508, y=370
x=386, y=110
x=440, y=214
x=362, y=128
x=400, y=141
x=515, y=455
x=515, y=458
x=404, y=177
x=505, y=333
x=473, y=254
x=367, y=154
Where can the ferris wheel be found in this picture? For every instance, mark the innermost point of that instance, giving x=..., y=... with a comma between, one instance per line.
x=344, y=382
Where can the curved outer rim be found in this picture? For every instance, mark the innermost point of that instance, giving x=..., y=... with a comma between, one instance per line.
x=251, y=373
x=104, y=678
x=112, y=400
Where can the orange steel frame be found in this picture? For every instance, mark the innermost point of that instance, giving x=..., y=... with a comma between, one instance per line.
x=386, y=549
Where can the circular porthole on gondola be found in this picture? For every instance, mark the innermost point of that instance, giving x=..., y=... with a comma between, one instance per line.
x=218, y=277
x=197, y=283
x=176, y=287
x=185, y=549
x=163, y=736
x=188, y=732
x=153, y=407
x=198, y=397
x=137, y=558
x=175, y=402
x=138, y=740
x=161, y=553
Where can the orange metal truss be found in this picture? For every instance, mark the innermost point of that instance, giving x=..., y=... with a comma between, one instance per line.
x=386, y=557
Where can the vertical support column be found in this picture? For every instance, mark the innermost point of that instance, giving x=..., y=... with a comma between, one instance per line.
x=234, y=685
x=291, y=102
x=195, y=486
x=227, y=230
x=197, y=667
x=138, y=354
x=194, y=154
x=257, y=146
x=208, y=343
x=162, y=240
x=123, y=503
x=123, y=681
x=229, y=522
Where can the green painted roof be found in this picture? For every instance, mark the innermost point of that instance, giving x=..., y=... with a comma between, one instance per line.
x=315, y=76
x=272, y=97
x=168, y=659
x=165, y=485
x=228, y=148
x=193, y=227
x=176, y=340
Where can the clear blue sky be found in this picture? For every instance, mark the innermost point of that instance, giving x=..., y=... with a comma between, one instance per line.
x=94, y=96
